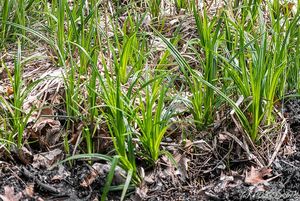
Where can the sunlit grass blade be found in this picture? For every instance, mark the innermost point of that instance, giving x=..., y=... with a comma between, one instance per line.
x=126, y=185
x=154, y=6
x=4, y=19
x=61, y=27
x=109, y=178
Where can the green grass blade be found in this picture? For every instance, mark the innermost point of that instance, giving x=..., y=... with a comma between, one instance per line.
x=126, y=185
x=109, y=178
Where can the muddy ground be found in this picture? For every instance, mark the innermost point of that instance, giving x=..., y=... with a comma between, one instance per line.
x=201, y=175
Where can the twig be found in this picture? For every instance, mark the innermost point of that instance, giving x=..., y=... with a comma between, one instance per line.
x=278, y=146
x=39, y=182
x=250, y=155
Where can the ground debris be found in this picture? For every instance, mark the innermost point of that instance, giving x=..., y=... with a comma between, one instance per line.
x=47, y=159
x=257, y=176
x=10, y=194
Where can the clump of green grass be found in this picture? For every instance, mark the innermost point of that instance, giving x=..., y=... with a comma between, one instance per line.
x=152, y=117
x=255, y=62
x=154, y=6
x=203, y=99
x=15, y=118
x=4, y=18
x=117, y=115
x=182, y=4
x=258, y=66
x=14, y=11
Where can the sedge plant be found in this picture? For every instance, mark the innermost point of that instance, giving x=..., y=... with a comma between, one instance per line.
x=61, y=27
x=181, y=4
x=203, y=99
x=116, y=111
x=152, y=117
x=16, y=119
x=14, y=11
x=5, y=10
x=190, y=73
x=257, y=68
x=154, y=6
x=131, y=45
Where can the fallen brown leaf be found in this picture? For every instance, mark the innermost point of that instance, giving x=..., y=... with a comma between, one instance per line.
x=48, y=131
x=182, y=165
x=257, y=176
x=89, y=179
x=9, y=91
x=29, y=190
x=77, y=133
x=24, y=155
x=101, y=170
x=9, y=194
x=47, y=159
x=61, y=174
x=47, y=111
x=97, y=169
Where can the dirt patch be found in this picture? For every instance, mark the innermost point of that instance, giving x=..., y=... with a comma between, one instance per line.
x=63, y=182
x=285, y=187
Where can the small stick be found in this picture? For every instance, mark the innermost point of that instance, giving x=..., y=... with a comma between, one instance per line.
x=278, y=146
x=250, y=155
x=38, y=182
